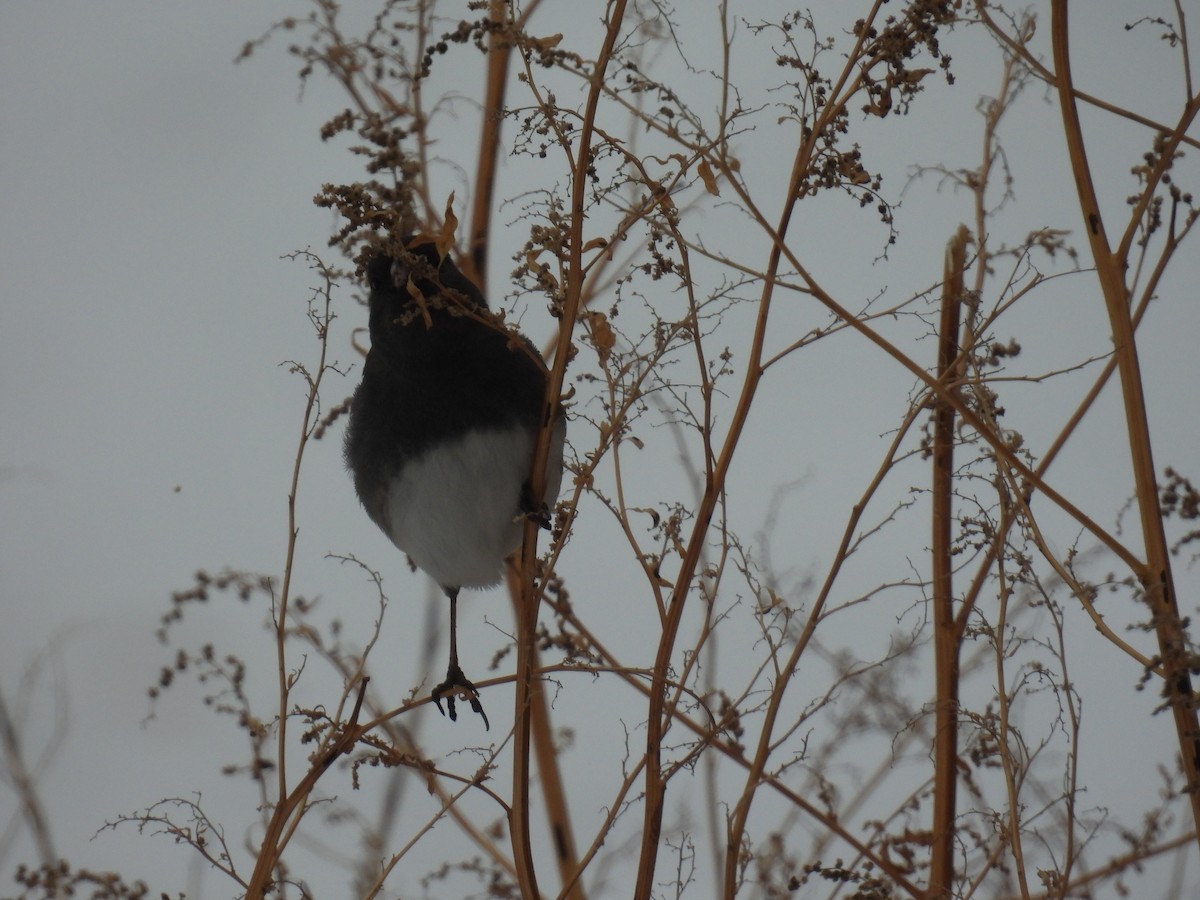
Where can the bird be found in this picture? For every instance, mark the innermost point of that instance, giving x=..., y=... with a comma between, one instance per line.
x=442, y=428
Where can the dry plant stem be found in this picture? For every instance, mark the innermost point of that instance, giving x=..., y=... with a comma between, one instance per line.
x=424, y=14
x=713, y=489
x=1081, y=593
x=963, y=411
x=1035, y=478
x=1014, y=838
x=1047, y=460
x=268, y=856
x=554, y=795
x=1019, y=48
x=290, y=808
x=710, y=735
x=716, y=480
x=602, y=833
x=1115, y=867
x=398, y=739
x=622, y=512
x=498, y=60
x=386, y=870
x=449, y=807
x=970, y=330
x=1074, y=709
x=18, y=774
x=968, y=415
x=756, y=768
x=1156, y=576
x=527, y=606
x=519, y=812
x=983, y=573
x=946, y=640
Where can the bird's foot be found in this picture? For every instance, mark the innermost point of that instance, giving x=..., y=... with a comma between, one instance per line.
x=538, y=513
x=457, y=687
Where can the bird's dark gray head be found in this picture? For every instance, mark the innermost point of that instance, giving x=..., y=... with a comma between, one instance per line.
x=431, y=275
x=416, y=288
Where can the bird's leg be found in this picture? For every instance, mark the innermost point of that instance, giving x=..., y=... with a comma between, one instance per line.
x=456, y=684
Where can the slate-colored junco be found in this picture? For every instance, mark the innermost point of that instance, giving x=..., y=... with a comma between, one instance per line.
x=442, y=430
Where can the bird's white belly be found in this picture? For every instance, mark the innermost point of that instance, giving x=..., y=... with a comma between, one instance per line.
x=456, y=509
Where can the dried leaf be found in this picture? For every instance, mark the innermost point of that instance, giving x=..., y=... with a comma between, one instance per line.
x=663, y=196
x=547, y=43
x=603, y=337
x=913, y=76
x=445, y=240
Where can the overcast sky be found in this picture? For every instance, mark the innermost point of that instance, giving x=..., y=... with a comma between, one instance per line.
x=150, y=190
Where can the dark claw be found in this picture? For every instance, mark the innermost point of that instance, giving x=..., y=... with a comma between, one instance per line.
x=534, y=511
x=456, y=686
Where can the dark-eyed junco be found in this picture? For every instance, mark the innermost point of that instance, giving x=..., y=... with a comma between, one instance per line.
x=442, y=430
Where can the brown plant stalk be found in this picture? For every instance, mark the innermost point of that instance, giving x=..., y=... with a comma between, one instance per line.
x=947, y=638
x=1155, y=575
x=527, y=614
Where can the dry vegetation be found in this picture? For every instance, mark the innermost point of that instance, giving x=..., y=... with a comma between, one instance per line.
x=909, y=687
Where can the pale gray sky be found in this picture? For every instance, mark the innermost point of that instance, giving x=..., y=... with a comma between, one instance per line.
x=151, y=188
